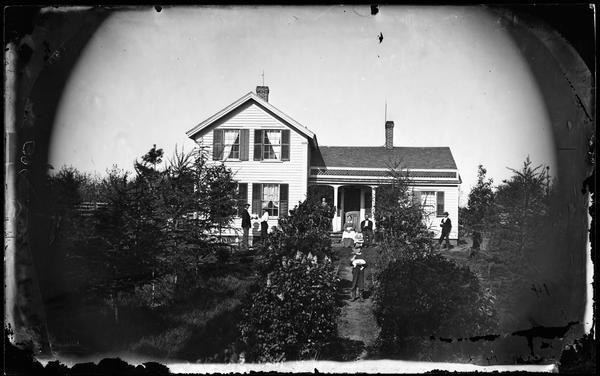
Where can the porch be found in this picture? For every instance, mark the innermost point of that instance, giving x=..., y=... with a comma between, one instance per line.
x=351, y=201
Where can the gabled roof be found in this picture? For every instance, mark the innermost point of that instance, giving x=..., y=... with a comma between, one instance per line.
x=380, y=157
x=265, y=106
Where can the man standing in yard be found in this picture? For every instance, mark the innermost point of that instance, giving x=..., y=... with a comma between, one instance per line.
x=446, y=227
x=246, y=224
x=366, y=227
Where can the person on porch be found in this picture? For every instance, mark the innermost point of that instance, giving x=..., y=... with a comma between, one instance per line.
x=366, y=227
x=349, y=222
x=348, y=236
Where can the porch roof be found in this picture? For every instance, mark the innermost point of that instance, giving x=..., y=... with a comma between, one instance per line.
x=380, y=157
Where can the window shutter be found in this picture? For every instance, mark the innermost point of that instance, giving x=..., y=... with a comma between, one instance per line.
x=283, y=200
x=244, y=144
x=217, y=144
x=258, y=144
x=256, y=198
x=440, y=204
x=285, y=145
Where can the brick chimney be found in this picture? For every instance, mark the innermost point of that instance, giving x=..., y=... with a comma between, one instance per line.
x=263, y=92
x=389, y=134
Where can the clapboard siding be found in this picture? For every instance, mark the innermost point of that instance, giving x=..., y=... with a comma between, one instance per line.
x=293, y=172
x=450, y=205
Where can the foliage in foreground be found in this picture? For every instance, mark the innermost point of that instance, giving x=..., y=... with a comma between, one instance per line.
x=293, y=316
x=418, y=293
x=305, y=230
x=429, y=296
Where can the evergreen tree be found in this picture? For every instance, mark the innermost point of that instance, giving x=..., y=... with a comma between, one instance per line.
x=476, y=216
x=521, y=210
x=401, y=220
x=159, y=222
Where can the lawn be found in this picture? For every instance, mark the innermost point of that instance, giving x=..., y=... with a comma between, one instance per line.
x=200, y=327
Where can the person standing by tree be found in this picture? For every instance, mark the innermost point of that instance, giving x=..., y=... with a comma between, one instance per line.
x=366, y=227
x=446, y=227
x=264, y=225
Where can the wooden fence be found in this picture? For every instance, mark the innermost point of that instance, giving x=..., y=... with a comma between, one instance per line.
x=87, y=209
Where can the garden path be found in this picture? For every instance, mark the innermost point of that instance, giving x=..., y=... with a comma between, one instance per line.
x=356, y=321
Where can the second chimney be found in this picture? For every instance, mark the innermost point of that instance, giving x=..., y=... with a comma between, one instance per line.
x=389, y=134
x=263, y=92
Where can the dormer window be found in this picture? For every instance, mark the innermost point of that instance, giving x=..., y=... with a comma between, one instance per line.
x=271, y=145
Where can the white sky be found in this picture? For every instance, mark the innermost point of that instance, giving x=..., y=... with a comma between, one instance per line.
x=451, y=76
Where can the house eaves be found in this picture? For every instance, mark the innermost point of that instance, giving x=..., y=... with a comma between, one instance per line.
x=265, y=106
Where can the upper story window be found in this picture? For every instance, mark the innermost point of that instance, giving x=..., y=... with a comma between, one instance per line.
x=230, y=144
x=273, y=145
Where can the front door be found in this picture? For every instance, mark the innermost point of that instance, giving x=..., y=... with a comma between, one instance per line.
x=352, y=206
x=351, y=199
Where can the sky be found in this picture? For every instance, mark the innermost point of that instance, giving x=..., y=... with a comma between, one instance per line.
x=451, y=76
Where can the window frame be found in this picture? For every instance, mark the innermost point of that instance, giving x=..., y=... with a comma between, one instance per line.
x=264, y=148
x=438, y=208
x=440, y=213
x=281, y=205
x=238, y=144
x=276, y=204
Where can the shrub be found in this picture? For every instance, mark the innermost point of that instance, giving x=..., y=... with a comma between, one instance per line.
x=305, y=230
x=429, y=296
x=293, y=316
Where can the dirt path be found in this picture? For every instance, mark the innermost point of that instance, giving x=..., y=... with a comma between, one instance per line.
x=356, y=322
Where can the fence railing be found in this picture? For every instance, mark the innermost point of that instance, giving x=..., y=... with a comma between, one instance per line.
x=87, y=209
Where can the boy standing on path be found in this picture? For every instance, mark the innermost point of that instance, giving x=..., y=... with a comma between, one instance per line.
x=358, y=274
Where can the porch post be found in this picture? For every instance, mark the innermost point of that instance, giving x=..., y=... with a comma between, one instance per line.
x=336, y=218
x=342, y=212
x=373, y=205
x=362, y=204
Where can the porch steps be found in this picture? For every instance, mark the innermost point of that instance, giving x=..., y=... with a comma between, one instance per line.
x=336, y=236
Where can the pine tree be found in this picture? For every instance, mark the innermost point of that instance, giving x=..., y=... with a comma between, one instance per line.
x=475, y=216
x=521, y=210
x=400, y=219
